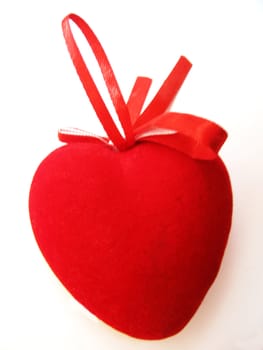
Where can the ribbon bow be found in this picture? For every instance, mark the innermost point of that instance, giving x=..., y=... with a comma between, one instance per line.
x=197, y=137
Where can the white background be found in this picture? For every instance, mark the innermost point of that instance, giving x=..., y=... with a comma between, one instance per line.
x=40, y=92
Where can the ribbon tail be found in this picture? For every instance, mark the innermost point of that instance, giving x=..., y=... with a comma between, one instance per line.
x=77, y=135
x=137, y=97
x=195, y=136
x=167, y=92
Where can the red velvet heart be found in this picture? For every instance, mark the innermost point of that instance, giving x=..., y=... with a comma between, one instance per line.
x=136, y=236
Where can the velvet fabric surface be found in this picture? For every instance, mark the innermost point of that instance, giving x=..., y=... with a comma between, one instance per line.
x=137, y=236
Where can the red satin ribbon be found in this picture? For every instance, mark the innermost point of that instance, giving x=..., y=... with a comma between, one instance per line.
x=197, y=137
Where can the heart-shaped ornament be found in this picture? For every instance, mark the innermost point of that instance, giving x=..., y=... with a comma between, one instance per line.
x=134, y=226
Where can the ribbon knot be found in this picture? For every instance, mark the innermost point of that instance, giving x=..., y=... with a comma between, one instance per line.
x=197, y=137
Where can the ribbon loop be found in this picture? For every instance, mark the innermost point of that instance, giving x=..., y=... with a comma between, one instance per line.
x=197, y=137
x=90, y=87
